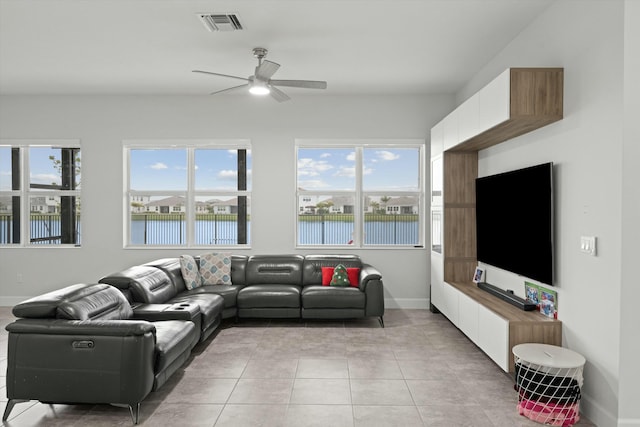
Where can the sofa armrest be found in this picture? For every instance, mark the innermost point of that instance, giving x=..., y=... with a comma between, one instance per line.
x=118, y=328
x=368, y=273
x=371, y=285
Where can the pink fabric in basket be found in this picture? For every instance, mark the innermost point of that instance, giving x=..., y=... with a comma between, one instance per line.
x=549, y=413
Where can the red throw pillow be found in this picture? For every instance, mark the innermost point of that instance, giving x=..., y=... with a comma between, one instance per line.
x=352, y=272
x=354, y=276
x=327, y=274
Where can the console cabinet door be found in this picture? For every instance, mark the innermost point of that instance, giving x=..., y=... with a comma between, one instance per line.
x=437, y=280
x=468, y=317
x=493, y=336
x=450, y=303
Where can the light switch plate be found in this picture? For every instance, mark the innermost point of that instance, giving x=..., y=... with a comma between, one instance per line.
x=588, y=245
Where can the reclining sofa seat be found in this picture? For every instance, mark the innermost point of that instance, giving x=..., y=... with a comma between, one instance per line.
x=328, y=302
x=150, y=284
x=273, y=286
x=95, y=352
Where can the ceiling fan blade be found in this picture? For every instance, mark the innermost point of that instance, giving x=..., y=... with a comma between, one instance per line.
x=229, y=89
x=221, y=75
x=308, y=84
x=266, y=69
x=278, y=95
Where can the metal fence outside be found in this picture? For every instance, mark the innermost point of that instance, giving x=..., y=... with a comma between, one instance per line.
x=44, y=229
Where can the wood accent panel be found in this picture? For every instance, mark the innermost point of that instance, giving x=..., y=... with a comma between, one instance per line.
x=536, y=100
x=460, y=238
x=459, y=269
x=460, y=172
x=524, y=326
x=536, y=92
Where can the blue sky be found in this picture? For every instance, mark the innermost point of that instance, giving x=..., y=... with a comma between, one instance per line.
x=334, y=169
x=216, y=169
x=41, y=168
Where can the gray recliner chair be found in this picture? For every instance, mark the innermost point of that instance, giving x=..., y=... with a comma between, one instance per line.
x=80, y=344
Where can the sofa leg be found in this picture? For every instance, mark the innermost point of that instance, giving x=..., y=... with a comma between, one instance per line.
x=381, y=320
x=135, y=411
x=10, y=404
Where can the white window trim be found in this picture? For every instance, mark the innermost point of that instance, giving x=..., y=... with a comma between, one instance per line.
x=359, y=194
x=190, y=194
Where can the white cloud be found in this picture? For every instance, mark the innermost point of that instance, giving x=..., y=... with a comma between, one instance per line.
x=346, y=171
x=228, y=174
x=159, y=166
x=312, y=183
x=351, y=156
x=387, y=155
x=45, y=178
x=325, y=155
x=311, y=167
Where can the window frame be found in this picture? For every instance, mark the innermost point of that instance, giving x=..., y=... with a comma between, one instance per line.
x=359, y=194
x=190, y=194
x=26, y=193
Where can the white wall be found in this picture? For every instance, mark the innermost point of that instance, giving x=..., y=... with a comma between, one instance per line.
x=586, y=38
x=101, y=123
x=629, y=410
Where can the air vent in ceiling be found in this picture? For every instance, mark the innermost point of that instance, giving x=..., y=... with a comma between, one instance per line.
x=220, y=21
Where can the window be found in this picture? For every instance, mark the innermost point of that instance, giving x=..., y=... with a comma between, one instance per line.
x=40, y=193
x=188, y=195
x=360, y=194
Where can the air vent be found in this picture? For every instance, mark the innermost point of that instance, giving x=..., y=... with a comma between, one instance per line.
x=220, y=21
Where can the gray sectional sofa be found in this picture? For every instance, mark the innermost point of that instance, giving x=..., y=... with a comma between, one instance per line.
x=116, y=341
x=263, y=286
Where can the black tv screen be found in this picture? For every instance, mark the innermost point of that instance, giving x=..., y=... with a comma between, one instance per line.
x=514, y=220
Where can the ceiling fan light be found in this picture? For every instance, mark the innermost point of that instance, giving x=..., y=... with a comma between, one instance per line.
x=259, y=88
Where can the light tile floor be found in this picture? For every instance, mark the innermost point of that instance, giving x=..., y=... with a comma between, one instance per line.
x=417, y=371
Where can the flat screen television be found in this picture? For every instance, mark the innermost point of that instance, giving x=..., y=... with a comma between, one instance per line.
x=514, y=220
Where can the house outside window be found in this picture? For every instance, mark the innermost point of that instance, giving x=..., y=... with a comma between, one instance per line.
x=40, y=192
x=360, y=193
x=188, y=193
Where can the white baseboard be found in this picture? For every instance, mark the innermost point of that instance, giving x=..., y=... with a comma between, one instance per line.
x=629, y=422
x=407, y=303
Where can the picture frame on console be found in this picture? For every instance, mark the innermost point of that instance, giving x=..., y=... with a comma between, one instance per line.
x=478, y=275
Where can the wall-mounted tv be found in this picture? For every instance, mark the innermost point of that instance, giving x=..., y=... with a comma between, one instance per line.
x=514, y=220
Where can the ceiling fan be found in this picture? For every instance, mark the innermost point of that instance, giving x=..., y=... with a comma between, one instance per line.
x=261, y=82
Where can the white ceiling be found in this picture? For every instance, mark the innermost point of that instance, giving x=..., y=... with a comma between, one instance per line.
x=151, y=46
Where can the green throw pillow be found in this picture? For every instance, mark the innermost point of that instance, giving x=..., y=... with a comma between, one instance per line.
x=340, y=276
